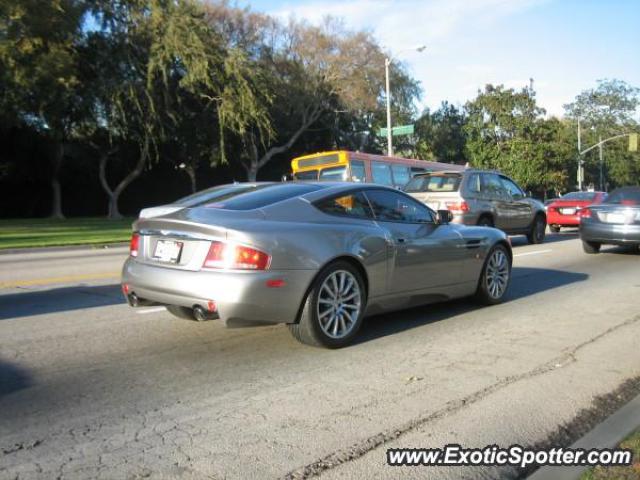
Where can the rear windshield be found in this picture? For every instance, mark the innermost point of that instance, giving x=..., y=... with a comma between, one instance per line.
x=435, y=182
x=216, y=193
x=262, y=196
x=625, y=196
x=579, y=196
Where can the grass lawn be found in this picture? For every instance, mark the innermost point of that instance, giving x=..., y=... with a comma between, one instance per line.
x=46, y=232
x=631, y=472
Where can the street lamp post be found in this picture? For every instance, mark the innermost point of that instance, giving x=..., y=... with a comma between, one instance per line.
x=387, y=63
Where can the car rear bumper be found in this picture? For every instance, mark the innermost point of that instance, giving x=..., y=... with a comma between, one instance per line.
x=609, y=233
x=555, y=218
x=468, y=218
x=241, y=298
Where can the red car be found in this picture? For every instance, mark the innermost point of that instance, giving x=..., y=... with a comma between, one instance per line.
x=565, y=211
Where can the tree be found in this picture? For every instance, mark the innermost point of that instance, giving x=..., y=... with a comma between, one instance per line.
x=309, y=72
x=38, y=73
x=605, y=111
x=157, y=59
x=441, y=135
x=503, y=132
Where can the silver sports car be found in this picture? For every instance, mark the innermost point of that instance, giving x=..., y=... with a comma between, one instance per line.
x=316, y=256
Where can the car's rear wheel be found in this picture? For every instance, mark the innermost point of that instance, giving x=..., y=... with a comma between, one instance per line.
x=333, y=309
x=554, y=228
x=180, y=312
x=538, y=227
x=495, y=276
x=591, y=247
x=485, y=221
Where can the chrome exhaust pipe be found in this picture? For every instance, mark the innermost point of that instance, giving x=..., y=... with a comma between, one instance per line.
x=201, y=315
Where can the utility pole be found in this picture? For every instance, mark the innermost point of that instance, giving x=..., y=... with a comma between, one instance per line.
x=601, y=163
x=389, y=136
x=579, y=159
x=387, y=63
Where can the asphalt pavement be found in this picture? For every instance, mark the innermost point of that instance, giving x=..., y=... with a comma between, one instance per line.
x=91, y=388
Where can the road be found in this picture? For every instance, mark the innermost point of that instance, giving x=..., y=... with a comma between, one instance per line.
x=90, y=388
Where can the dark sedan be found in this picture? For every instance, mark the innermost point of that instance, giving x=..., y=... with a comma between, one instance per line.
x=616, y=221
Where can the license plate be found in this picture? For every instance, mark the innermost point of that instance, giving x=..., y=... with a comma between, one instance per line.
x=568, y=211
x=168, y=251
x=615, y=218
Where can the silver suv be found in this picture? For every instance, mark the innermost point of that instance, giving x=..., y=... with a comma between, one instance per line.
x=480, y=197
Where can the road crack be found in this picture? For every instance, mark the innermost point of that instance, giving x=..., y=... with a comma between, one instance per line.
x=359, y=449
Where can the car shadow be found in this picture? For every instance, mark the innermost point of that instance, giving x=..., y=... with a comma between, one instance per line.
x=562, y=236
x=40, y=302
x=526, y=281
x=13, y=378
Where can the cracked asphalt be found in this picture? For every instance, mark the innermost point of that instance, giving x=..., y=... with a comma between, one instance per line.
x=90, y=388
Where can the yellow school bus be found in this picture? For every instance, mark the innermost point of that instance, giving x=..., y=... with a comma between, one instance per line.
x=346, y=166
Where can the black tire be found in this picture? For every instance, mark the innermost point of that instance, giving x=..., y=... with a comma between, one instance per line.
x=537, y=230
x=308, y=330
x=485, y=221
x=554, y=228
x=591, y=247
x=181, y=312
x=484, y=294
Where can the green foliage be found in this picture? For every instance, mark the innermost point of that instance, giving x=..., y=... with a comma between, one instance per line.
x=441, y=135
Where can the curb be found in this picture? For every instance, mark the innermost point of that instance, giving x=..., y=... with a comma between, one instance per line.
x=64, y=248
x=607, y=434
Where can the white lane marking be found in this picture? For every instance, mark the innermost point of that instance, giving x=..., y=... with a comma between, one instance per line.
x=152, y=310
x=537, y=252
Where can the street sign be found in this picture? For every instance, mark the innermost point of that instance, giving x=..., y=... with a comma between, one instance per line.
x=395, y=131
x=633, y=142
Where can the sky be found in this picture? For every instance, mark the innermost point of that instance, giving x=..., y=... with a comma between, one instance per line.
x=565, y=46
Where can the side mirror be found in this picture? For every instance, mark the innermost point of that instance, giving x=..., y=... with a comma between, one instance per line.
x=444, y=216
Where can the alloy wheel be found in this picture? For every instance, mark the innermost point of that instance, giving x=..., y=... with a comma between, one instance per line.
x=497, y=274
x=339, y=304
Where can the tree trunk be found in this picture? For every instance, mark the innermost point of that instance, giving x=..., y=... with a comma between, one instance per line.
x=308, y=118
x=192, y=177
x=252, y=171
x=56, y=191
x=114, y=194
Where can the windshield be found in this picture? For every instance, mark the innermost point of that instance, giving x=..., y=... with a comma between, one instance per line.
x=588, y=196
x=436, y=182
x=625, y=196
x=310, y=175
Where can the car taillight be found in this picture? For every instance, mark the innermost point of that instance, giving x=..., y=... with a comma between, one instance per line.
x=134, y=244
x=457, y=207
x=585, y=213
x=237, y=257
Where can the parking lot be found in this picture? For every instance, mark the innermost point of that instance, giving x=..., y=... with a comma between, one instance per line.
x=90, y=387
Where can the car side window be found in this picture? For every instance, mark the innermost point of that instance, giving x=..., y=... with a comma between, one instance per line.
x=473, y=183
x=513, y=189
x=394, y=207
x=492, y=186
x=347, y=205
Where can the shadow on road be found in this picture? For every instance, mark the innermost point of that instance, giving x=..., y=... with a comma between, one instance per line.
x=41, y=302
x=12, y=378
x=525, y=282
x=564, y=235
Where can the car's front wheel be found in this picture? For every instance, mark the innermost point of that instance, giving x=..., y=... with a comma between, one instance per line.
x=333, y=309
x=495, y=276
x=537, y=231
x=591, y=247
